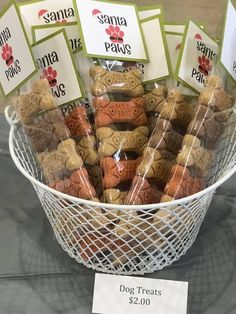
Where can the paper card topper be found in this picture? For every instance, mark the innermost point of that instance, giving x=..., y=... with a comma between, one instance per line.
x=16, y=61
x=46, y=12
x=174, y=42
x=41, y=31
x=174, y=28
x=198, y=54
x=110, y=30
x=133, y=295
x=149, y=11
x=53, y=56
x=228, y=52
x=159, y=61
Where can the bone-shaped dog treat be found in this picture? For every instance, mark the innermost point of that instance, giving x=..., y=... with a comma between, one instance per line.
x=116, y=172
x=182, y=184
x=86, y=148
x=195, y=156
x=129, y=83
x=206, y=127
x=114, y=196
x=60, y=162
x=216, y=98
x=109, y=112
x=31, y=104
x=78, y=123
x=122, y=141
x=77, y=185
x=96, y=178
x=154, y=166
x=142, y=192
x=165, y=137
x=156, y=99
x=47, y=131
x=177, y=110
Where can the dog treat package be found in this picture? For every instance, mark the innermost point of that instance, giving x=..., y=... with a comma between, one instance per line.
x=54, y=141
x=121, y=126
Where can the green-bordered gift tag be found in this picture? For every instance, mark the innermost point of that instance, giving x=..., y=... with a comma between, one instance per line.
x=198, y=54
x=228, y=51
x=159, y=61
x=46, y=12
x=147, y=11
x=41, y=31
x=16, y=61
x=55, y=60
x=110, y=30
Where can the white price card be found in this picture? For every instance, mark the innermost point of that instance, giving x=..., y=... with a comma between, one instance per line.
x=228, y=52
x=38, y=12
x=197, y=56
x=110, y=30
x=54, y=58
x=149, y=11
x=132, y=295
x=159, y=66
x=16, y=60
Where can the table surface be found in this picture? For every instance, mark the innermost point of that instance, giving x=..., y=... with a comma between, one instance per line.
x=37, y=276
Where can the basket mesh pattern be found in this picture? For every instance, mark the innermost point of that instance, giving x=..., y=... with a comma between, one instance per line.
x=136, y=245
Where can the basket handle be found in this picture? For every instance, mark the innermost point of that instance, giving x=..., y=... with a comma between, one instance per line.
x=11, y=116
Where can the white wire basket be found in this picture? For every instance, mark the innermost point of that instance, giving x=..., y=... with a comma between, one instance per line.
x=141, y=246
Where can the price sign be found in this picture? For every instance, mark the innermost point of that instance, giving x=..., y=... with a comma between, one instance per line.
x=131, y=295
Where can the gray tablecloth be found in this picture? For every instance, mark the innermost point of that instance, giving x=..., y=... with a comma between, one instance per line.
x=38, y=277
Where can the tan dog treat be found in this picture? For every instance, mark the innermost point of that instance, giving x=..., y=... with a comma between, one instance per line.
x=177, y=110
x=86, y=148
x=77, y=185
x=165, y=137
x=116, y=172
x=195, y=156
x=77, y=122
x=31, y=104
x=142, y=192
x=41, y=87
x=129, y=83
x=96, y=178
x=154, y=166
x=114, y=196
x=156, y=99
x=61, y=162
x=109, y=112
x=123, y=141
x=182, y=184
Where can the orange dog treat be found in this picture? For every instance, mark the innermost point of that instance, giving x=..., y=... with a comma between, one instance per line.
x=109, y=112
x=116, y=172
x=143, y=192
x=77, y=122
x=77, y=185
x=182, y=184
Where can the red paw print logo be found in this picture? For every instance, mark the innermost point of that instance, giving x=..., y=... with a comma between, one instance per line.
x=116, y=35
x=51, y=76
x=7, y=54
x=204, y=65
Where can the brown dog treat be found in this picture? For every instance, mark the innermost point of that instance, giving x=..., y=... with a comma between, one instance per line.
x=182, y=184
x=60, y=162
x=206, y=127
x=154, y=166
x=114, y=196
x=78, y=123
x=96, y=178
x=47, y=131
x=77, y=185
x=156, y=99
x=196, y=157
x=123, y=141
x=86, y=148
x=177, y=110
x=142, y=192
x=116, y=172
x=129, y=83
x=165, y=137
x=166, y=155
x=109, y=112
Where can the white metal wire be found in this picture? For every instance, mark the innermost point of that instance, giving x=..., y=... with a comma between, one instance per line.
x=140, y=244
